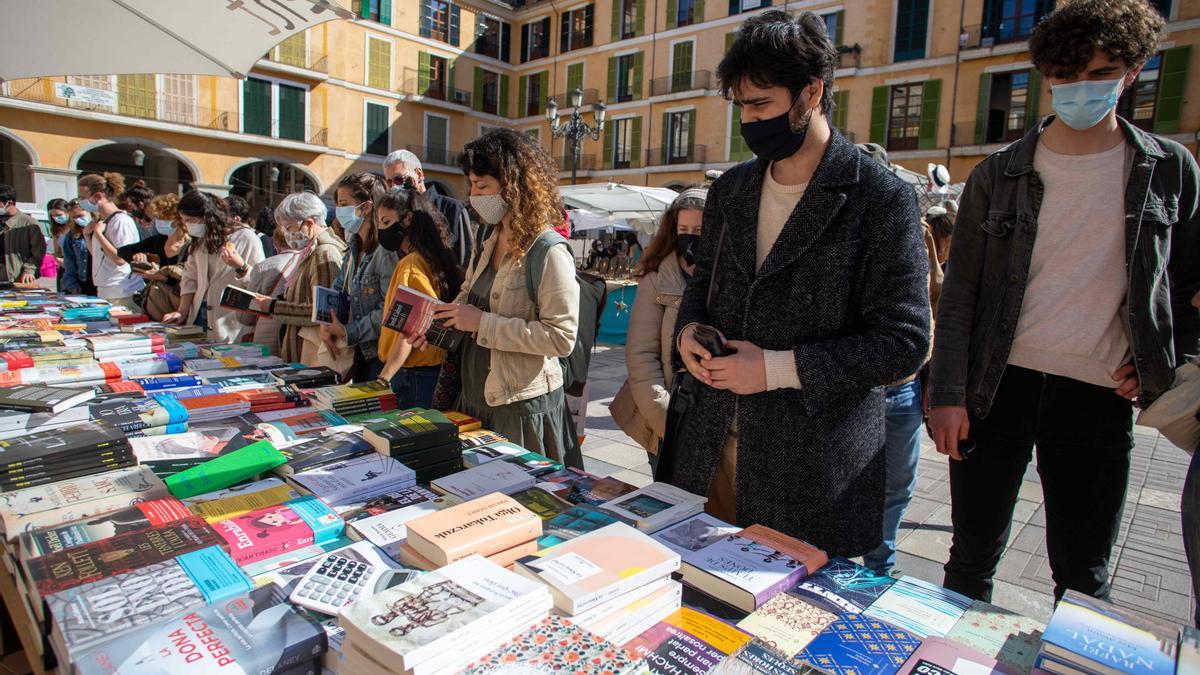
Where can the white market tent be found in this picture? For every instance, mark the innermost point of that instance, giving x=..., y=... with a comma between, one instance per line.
x=614, y=205
x=201, y=37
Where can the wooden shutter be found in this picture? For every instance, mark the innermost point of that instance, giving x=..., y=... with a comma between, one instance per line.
x=544, y=47
x=729, y=38
x=931, y=98
x=681, y=71
x=525, y=43
x=1171, y=81
x=612, y=79
x=424, y=66
x=426, y=21
x=635, y=143
x=256, y=106
x=841, y=102
x=839, y=28
x=292, y=51
x=543, y=91
x=640, y=14
x=698, y=11
x=574, y=77
x=377, y=129
x=664, y=152
x=364, y=9
x=609, y=129
x=522, y=95
x=617, y=12
x=672, y=14
x=506, y=42
x=477, y=93
x=502, y=103
x=691, y=141
x=436, y=140
x=455, y=20
x=589, y=19
x=735, y=6
x=385, y=12
x=1033, y=99
x=448, y=85
x=639, y=60
x=137, y=96
x=291, y=112
x=379, y=63
x=179, y=98
x=880, y=100
x=981, y=108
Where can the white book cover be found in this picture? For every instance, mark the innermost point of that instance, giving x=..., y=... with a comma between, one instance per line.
x=694, y=533
x=919, y=607
x=656, y=504
x=485, y=479
x=357, y=479
x=388, y=530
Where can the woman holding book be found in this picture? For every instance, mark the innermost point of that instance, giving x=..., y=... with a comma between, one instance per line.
x=267, y=278
x=301, y=217
x=365, y=270
x=640, y=407
x=410, y=224
x=222, y=254
x=511, y=375
x=169, y=246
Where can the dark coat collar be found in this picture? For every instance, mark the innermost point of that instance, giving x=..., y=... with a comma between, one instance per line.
x=1020, y=161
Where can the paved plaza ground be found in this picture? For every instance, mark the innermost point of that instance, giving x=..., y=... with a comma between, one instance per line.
x=1150, y=572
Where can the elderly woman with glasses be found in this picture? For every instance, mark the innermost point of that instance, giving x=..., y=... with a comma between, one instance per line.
x=301, y=217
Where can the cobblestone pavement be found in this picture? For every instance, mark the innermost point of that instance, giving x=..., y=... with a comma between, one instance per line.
x=1150, y=572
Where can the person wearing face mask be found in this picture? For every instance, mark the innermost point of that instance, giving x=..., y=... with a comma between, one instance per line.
x=22, y=244
x=136, y=202
x=77, y=265
x=112, y=229
x=401, y=169
x=221, y=254
x=363, y=276
x=1074, y=257
x=819, y=286
x=165, y=253
x=412, y=226
x=60, y=226
x=267, y=278
x=301, y=218
x=640, y=407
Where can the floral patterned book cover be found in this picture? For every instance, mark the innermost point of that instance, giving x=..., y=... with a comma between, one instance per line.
x=787, y=623
x=558, y=646
x=1013, y=639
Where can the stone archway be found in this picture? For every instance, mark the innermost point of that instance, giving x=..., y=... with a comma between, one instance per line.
x=265, y=182
x=163, y=169
x=16, y=158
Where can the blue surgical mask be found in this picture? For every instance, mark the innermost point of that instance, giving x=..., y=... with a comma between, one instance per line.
x=163, y=226
x=350, y=220
x=82, y=221
x=60, y=220
x=1081, y=105
x=87, y=205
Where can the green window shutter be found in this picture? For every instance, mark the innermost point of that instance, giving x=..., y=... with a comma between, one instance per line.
x=543, y=91
x=698, y=12
x=879, y=114
x=291, y=113
x=640, y=14
x=385, y=12
x=638, y=60
x=451, y=71
x=1170, y=89
x=522, y=86
x=841, y=110
x=502, y=104
x=738, y=152
x=729, y=38
x=477, y=94
x=931, y=98
x=1033, y=99
x=666, y=141
x=616, y=20
x=423, y=80
x=256, y=106
x=672, y=14
x=839, y=28
x=608, y=144
x=981, y=108
x=612, y=79
x=137, y=95
x=635, y=143
x=691, y=146
x=574, y=78
x=681, y=71
x=377, y=129
x=364, y=9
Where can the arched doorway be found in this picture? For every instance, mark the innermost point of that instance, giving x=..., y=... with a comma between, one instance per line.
x=161, y=170
x=15, y=161
x=266, y=183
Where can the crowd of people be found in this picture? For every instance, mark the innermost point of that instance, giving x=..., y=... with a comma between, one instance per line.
x=1063, y=286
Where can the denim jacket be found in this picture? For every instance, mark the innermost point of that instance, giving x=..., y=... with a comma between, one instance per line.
x=993, y=244
x=77, y=266
x=367, y=287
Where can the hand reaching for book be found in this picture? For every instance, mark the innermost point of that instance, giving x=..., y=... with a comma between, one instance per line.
x=463, y=317
x=172, y=317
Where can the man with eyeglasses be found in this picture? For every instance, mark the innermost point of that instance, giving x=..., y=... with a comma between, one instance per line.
x=401, y=166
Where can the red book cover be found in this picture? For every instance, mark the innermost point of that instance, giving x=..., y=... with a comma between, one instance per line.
x=265, y=533
x=123, y=553
x=112, y=372
x=132, y=318
x=122, y=387
x=17, y=360
x=213, y=401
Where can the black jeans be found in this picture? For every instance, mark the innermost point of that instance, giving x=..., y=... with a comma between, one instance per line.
x=1083, y=434
x=1190, y=511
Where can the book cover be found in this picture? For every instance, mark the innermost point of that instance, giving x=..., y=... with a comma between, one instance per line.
x=356, y=480
x=191, y=447
x=758, y=658
x=388, y=530
x=843, y=586
x=464, y=421
x=433, y=613
x=286, y=559
x=478, y=437
x=687, y=642
x=328, y=303
x=226, y=470
x=76, y=499
x=623, y=619
x=485, y=479
x=94, y=613
x=38, y=398
x=787, y=623
x=234, y=505
x=411, y=313
x=148, y=514
x=257, y=633
x=1093, y=634
x=543, y=504
x=597, y=567
x=940, y=655
x=105, y=558
x=694, y=533
x=483, y=526
x=919, y=607
x=574, y=522
x=655, y=505
x=315, y=452
x=274, y=530
x=54, y=445
x=410, y=431
x=241, y=300
x=399, y=499
x=748, y=568
x=858, y=645
x=1012, y=639
x=556, y=645
x=531, y=462
x=243, y=488
x=579, y=487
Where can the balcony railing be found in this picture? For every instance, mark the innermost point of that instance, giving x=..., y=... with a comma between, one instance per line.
x=439, y=91
x=964, y=134
x=176, y=110
x=291, y=131
x=990, y=35
x=667, y=156
x=307, y=58
x=435, y=155
x=684, y=81
x=850, y=56
x=586, y=163
x=590, y=96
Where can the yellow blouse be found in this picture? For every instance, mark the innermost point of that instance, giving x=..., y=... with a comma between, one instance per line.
x=414, y=272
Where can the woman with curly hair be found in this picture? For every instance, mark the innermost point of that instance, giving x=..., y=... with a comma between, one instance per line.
x=159, y=258
x=511, y=376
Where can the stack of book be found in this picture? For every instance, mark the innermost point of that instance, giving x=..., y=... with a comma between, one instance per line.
x=493, y=526
x=500, y=477
x=351, y=482
x=424, y=440
x=275, y=530
x=1086, y=635
x=533, y=463
x=112, y=345
x=356, y=398
x=72, y=451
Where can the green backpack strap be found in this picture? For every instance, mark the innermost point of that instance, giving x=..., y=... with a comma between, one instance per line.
x=535, y=263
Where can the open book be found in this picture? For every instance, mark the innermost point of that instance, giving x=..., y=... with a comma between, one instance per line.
x=411, y=314
x=241, y=300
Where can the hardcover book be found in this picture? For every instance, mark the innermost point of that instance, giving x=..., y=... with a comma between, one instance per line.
x=1013, y=640
x=787, y=623
x=148, y=514
x=687, y=642
x=1094, y=635
x=600, y=566
x=275, y=530
x=410, y=432
x=483, y=526
x=655, y=506
x=919, y=607
x=356, y=480
x=556, y=645
x=241, y=300
x=486, y=479
x=328, y=303
x=38, y=398
x=695, y=533
x=858, y=645
x=842, y=586
x=748, y=568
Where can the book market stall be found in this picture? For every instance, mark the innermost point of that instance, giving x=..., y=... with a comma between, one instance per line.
x=172, y=506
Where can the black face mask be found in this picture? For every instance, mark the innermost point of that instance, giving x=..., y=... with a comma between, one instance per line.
x=774, y=139
x=686, y=245
x=391, y=238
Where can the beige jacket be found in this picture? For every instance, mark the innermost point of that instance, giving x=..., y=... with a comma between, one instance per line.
x=648, y=355
x=206, y=275
x=525, y=345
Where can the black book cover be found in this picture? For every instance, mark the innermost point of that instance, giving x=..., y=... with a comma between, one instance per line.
x=325, y=449
x=241, y=300
x=68, y=475
x=66, y=464
x=431, y=473
x=61, y=443
x=42, y=398
x=421, y=458
x=449, y=339
x=417, y=431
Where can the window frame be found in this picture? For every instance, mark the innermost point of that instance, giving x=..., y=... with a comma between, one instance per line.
x=366, y=130
x=425, y=136
x=691, y=19
x=434, y=34
x=1127, y=105
x=625, y=82
x=368, y=37
x=911, y=54
x=911, y=122
x=483, y=104
x=275, y=82
x=528, y=54
x=625, y=124
x=628, y=28
x=671, y=139
x=501, y=48
x=586, y=35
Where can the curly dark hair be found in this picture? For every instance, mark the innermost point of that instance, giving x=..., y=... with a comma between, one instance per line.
x=215, y=214
x=1065, y=41
x=528, y=181
x=780, y=49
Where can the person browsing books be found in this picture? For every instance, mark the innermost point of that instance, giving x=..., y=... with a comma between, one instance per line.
x=169, y=245
x=512, y=379
x=640, y=408
x=77, y=263
x=301, y=217
x=113, y=229
x=410, y=224
x=222, y=254
x=364, y=272
x=820, y=294
x=268, y=278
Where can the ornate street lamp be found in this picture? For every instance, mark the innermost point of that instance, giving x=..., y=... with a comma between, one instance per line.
x=575, y=129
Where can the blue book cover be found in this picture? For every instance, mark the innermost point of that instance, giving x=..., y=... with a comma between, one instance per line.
x=168, y=382
x=842, y=586
x=919, y=607
x=178, y=413
x=857, y=645
x=193, y=392
x=214, y=573
x=1094, y=634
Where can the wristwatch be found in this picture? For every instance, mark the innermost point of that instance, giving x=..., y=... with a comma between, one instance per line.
x=241, y=271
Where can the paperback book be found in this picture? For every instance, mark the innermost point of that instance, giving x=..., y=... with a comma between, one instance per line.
x=411, y=314
x=147, y=514
x=919, y=607
x=241, y=300
x=858, y=645
x=687, y=642
x=695, y=533
x=655, y=506
x=787, y=623
x=579, y=487
x=322, y=450
x=842, y=586
x=748, y=568
x=1094, y=635
x=483, y=526
x=482, y=480
x=574, y=522
x=556, y=645
x=275, y=530
x=328, y=303
x=77, y=499
x=1014, y=640
x=356, y=480
x=38, y=398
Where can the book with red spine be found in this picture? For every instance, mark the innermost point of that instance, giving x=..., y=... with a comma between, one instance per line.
x=15, y=360
x=147, y=514
x=277, y=529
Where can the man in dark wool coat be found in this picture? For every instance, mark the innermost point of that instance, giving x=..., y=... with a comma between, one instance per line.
x=821, y=287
